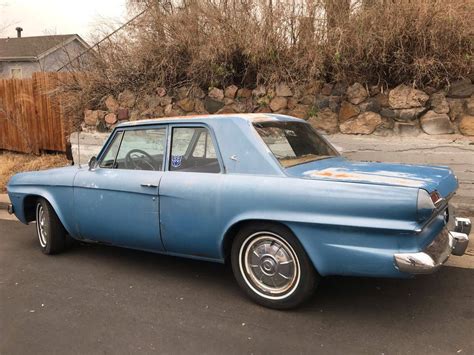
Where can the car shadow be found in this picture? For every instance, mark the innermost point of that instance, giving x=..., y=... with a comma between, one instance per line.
x=369, y=296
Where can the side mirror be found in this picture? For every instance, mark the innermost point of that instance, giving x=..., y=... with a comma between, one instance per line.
x=92, y=162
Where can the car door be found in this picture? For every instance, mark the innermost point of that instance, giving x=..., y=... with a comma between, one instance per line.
x=190, y=195
x=117, y=202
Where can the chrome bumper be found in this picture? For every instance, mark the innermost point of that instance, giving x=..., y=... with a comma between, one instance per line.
x=446, y=243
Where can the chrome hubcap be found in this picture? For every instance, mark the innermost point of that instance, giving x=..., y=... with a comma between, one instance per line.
x=41, y=225
x=270, y=266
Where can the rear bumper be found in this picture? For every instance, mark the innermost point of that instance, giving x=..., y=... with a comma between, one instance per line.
x=434, y=255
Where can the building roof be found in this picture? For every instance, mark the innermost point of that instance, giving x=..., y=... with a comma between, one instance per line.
x=33, y=48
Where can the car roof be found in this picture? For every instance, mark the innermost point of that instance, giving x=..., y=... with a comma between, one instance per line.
x=249, y=117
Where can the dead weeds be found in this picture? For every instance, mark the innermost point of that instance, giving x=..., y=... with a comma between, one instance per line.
x=12, y=163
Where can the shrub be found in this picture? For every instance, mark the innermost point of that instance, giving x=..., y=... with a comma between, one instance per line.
x=218, y=42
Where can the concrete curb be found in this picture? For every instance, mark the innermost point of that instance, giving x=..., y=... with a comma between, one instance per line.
x=4, y=201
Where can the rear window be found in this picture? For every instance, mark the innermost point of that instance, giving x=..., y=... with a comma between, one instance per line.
x=294, y=143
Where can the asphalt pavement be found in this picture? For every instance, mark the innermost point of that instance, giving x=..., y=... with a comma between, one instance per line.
x=105, y=300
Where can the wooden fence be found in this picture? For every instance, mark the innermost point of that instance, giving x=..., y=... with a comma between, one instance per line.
x=32, y=117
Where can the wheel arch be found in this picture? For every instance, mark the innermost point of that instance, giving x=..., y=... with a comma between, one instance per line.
x=29, y=208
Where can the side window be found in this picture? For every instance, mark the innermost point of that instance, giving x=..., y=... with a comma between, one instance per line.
x=137, y=150
x=204, y=147
x=109, y=158
x=192, y=150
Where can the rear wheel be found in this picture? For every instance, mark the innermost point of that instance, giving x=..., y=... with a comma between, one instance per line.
x=272, y=267
x=51, y=234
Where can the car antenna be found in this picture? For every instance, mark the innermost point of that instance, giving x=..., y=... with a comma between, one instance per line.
x=78, y=150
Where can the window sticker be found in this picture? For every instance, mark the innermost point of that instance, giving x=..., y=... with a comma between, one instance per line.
x=176, y=161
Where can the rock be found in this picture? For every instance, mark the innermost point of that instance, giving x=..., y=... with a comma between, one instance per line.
x=461, y=89
x=339, y=89
x=165, y=100
x=134, y=115
x=406, y=129
x=408, y=114
x=259, y=91
x=168, y=109
x=429, y=90
x=263, y=109
x=110, y=118
x=278, y=103
x=122, y=114
x=216, y=94
x=292, y=102
x=335, y=103
x=182, y=92
x=327, y=89
x=404, y=96
x=387, y=123
x=382, y=99
x=307, y=100
x=199, y=107
x=364, y=123
x=91, y=117
x=111, y=104
x=356, y=93
x=313, y=88
x=374, y=90
x=325, y=121
x=466, y=125
x=226, y=109
x=282, y=89
x=152, y=101
x=347, y=111
x=197, y=93
x=127, y=99
x=186, y=104
x=438, y=103
x=244, y=93
x=388, y=112
x=371, y=104
x=231, y=91
x=322, y=102
x=160, y=91
x=212, y=105
x=299, y=111
x=456, y=108
x=470, y=106
x=436, y=123
x=101, y=127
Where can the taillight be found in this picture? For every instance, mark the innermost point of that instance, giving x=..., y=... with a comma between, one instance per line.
x=435, y=197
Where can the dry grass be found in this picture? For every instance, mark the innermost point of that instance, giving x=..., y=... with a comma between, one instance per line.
x=12, y=163
x=222, y=42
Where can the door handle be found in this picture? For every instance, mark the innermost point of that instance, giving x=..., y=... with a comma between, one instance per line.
x=148, y=185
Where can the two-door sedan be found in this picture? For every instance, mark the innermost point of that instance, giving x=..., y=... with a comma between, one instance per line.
x=264, y=192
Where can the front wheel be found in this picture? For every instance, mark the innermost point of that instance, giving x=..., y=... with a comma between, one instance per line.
x=272, y=267
x=51, y=234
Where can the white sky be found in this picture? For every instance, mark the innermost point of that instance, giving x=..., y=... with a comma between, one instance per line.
x=42, y=17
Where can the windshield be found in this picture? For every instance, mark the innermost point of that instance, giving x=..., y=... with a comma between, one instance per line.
x=293, y=143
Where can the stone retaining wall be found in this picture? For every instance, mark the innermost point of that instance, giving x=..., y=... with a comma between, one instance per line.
x=331, y=108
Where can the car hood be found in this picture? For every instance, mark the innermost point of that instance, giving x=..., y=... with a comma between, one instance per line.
x=426, y=177
x=57, y=176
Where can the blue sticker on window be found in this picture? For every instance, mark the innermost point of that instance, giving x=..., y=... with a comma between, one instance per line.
x=176, y=161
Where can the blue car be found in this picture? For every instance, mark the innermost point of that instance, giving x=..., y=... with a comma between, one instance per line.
x=263, y=192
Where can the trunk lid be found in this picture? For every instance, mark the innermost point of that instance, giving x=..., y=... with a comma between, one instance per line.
x=430, y=178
